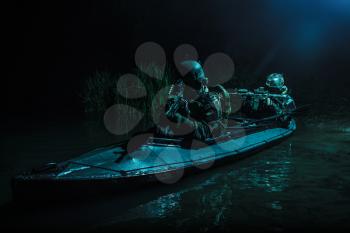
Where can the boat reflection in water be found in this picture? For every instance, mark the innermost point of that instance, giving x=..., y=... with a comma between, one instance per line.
x=224, y=192
x=269, y=174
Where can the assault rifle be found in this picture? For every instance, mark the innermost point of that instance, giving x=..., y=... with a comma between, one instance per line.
x=260, y=92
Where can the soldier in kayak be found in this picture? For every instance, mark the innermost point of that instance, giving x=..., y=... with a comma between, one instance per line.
x=275, y=85
x=272, y=100
x=192, y=108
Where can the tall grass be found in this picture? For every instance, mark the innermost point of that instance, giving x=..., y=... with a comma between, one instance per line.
x=101, y=92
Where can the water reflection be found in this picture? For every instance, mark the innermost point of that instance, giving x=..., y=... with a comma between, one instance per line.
x=270, y=173
x=162, y=206
x=219, y=196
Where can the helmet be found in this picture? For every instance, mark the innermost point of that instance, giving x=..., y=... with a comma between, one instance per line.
x=194, y=74
x=275, y=81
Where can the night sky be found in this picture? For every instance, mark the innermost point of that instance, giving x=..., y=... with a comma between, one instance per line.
x=51, y=47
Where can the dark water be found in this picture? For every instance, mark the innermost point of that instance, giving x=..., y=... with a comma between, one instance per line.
x=302, y=182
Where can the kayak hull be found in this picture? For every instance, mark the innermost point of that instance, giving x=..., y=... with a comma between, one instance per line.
x=98, y=173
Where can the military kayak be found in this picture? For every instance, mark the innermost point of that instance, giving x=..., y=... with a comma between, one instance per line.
x=157, y=160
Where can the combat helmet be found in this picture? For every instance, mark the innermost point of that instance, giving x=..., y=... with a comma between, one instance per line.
x=275, y=80
x=193, y=74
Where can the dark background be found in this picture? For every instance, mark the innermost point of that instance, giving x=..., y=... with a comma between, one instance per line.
x=51, y=47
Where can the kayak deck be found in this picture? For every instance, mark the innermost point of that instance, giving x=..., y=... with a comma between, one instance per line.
x=111, y=165
x=152, y=158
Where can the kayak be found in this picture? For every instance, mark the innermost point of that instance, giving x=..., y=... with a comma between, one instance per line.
x=158, y=160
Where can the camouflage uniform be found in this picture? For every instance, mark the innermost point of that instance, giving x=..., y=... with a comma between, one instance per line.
x=192, y=106
x=204, y=113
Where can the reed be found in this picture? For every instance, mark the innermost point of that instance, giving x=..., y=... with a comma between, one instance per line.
x=101, y=92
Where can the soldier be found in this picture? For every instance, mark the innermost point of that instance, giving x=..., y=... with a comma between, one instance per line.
x=195, y=111
x=272, y=100
x=275, y=85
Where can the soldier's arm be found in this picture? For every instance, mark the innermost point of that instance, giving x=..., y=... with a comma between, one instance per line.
x=175, y=109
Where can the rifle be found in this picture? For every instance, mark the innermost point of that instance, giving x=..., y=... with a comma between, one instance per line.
x=262, y=95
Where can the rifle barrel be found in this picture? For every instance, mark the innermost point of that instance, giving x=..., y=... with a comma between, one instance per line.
x=260, y=94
